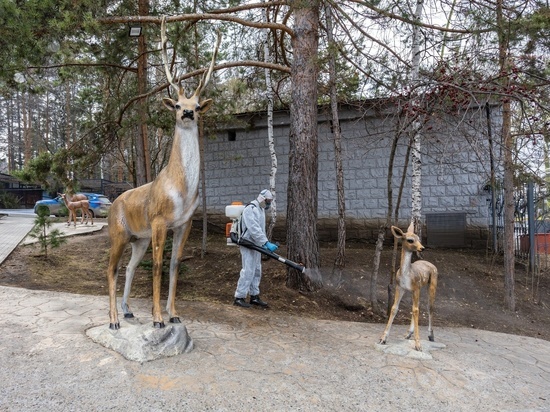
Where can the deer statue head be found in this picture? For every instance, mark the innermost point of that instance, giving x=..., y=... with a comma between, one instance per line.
x=409, y=239
x=186, y=108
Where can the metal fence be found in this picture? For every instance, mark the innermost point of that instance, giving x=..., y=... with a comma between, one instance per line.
x=531, y=224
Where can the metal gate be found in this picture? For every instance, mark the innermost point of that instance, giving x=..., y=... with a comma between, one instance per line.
x=531, y=224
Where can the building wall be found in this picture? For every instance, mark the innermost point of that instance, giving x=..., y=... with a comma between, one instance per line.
x=455, y=169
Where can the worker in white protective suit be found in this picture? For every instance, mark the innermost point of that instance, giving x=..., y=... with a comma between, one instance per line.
x=253, y=230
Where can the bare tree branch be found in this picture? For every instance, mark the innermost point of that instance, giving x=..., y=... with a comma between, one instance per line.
x=56, y=66
x=249, y=7
x=195, y=17
x=385, y=13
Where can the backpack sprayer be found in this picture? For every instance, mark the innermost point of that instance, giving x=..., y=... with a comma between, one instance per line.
x=232, y=232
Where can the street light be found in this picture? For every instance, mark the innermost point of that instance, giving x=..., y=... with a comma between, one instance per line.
x=135, y=31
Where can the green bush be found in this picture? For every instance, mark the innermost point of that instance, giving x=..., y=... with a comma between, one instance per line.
x=9, y=201
x=43, y=210
x=41, y=232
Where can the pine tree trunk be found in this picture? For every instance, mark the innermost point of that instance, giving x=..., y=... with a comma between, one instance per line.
x=340, y=260
x=509, y=258
x=382, y=234
x=302, y=238
x=27, y=128
x=143, y=162
x=10, y=131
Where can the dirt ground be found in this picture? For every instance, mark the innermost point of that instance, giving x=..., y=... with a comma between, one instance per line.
x=470, y=287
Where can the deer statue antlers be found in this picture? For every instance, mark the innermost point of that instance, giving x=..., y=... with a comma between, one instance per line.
x=146, y=214
x=177, y=87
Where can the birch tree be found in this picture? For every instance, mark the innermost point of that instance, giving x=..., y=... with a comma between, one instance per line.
x=268, y=58
x=416, y=132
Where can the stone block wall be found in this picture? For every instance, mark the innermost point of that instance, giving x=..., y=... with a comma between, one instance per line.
x=455, y=170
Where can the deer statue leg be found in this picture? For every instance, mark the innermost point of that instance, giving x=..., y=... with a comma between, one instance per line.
x=85, y=215
x=431, y=303
x=159, y=232
x=411, y=328
x=179, y=239
x=73, y=213
x=115, y=253
x=88, y=215
x=139, y=247
x=415, y=312
x=399, y=291
x=414, y=324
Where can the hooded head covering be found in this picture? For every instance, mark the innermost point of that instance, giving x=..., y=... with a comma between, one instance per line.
x=264, y=195
x=264, y=198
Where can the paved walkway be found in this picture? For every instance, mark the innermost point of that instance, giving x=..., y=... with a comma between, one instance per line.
x=15, y=226
x=13, y=229
x=257, y=360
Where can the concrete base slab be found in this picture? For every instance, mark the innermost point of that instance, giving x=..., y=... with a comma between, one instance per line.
x=406, y=349
x=140, y=342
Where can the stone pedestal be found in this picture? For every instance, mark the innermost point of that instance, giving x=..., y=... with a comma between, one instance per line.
x=405, y=348
x=140, y=342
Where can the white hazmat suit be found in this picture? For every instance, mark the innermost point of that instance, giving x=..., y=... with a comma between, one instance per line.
x=253, y=230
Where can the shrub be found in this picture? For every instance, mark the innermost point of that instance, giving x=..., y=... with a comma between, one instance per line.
x=9, y=201
x=52, y=239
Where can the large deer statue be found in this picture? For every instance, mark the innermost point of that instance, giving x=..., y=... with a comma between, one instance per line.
x=146, y=213
x=73, y=206
x=412, y=277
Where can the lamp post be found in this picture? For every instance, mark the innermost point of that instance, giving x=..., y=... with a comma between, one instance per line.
x=143, y=162
x=134, y=31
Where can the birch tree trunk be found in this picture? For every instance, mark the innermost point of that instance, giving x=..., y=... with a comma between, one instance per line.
x=271, y=143
x=416, y=182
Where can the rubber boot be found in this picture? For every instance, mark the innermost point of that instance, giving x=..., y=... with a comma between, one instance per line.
x=255, y=300
x=241, y=302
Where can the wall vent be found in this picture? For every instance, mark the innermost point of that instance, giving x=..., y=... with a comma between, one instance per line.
x=446, y=230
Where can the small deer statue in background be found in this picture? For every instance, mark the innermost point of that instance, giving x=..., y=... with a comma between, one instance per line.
x=75, y=198
x=145, y=214
x=73, y=206
x=412, y=277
